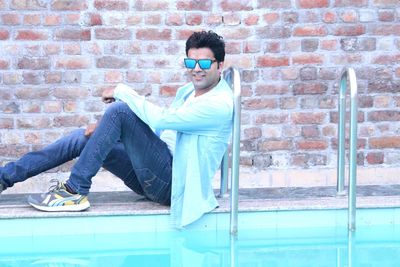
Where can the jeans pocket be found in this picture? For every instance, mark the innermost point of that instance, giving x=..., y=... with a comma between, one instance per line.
x=155, y=188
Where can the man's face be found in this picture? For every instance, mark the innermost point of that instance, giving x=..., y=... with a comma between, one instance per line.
x=204, y=79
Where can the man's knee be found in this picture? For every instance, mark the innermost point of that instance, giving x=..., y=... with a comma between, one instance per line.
x=117, y=107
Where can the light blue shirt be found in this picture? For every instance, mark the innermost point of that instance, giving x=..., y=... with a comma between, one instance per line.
x=203, y=130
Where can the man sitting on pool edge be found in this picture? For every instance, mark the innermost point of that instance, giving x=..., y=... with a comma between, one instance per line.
x=169, y=155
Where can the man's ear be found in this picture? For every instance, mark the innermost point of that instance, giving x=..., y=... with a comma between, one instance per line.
x=220, y=66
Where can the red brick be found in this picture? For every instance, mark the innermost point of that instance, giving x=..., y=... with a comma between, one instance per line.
x=375, y=158
x=72, y=49
x=6, y=123
x=70, y=93
x=111, y=4
x=14, y=151
x=33, y=123
x=349, y=30
x=256, y=103
x=236, y=33
x=310, y=30
x=349, y=16
x=384, y=142
x=271, y=118
x=214, y=19
x=334, y=116
x=384, y=115
x=153, y=34
x=143, y=5
x=310, y=131
x=69, y=5
x=386, y=59
x=72, y=19
x=29, y=77
x=93, y=19
x=28, y=35
x=313, y=3
x=113, y=76
x=233, y=47
x=236, y=5
x=52, y=77
x=329, y=17
x=271, y=89
x=274, y=32
x=193, y=19
x=308, y=59
x=386, y=15
x=351, y=3
x=190, y=5
x=73, y=34
x=347, y=58
x=312, y=144
x=153, y=19
x=269, y=61
x=330, y=45
x=274, y=145
x=231, y=19
x=52, y=20
x=274, y=4
x=11, y=19
x=251, y=20
x=252, y=47
x=4, y=64
x=32, y=19
x=384, y=30
x=4, y=34
x=168, y=90
x=308, y=117
x=386, y=3
x=271, y=18
x=77, y=62
x=71, y=121
x=28, y=4
x=174, y=19
x=113, y=34
x=34, y=63
x=112, y=62
x=252, y=133
x=309, y=88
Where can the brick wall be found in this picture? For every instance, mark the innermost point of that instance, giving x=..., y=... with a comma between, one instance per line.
x=57, y=56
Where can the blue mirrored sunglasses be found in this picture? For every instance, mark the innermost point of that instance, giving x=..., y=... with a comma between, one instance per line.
x=204, y=64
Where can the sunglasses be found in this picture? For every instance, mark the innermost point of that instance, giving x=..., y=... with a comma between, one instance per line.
x=204, y=64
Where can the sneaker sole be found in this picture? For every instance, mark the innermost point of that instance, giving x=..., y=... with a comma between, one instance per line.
x=80, y=207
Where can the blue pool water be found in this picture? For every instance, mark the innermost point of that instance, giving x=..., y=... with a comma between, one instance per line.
x=284, y=238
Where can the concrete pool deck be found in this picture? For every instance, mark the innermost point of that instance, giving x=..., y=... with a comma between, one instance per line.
x=250, y=199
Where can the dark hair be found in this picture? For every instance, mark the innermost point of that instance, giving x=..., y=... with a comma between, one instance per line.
x=207, y=39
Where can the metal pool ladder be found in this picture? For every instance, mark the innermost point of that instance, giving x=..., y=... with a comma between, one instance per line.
x=348, y=74
x=232, y=76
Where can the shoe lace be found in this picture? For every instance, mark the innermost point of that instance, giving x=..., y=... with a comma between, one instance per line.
x=56, y=185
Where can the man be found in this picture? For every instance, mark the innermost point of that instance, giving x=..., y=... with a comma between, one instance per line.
x=168, y=155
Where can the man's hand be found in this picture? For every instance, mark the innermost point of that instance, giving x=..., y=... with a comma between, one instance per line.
x=90, y=129
x=108, y=95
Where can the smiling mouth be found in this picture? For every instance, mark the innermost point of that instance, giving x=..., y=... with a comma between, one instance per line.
x=198, y=77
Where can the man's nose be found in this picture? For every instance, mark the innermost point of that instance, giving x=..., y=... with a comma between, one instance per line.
x=197, y=67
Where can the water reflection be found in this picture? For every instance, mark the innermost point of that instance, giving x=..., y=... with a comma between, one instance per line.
x=295, y=247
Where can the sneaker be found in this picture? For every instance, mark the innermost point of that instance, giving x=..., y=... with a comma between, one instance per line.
x=59, y=199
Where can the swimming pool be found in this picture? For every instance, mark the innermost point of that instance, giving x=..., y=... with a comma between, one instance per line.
x=273, y=238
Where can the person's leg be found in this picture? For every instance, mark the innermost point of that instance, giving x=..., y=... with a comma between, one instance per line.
x=149, y=155
x=119, y=164
x=53, y=155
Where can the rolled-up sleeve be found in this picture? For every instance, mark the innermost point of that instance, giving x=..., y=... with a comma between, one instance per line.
x=199, y=117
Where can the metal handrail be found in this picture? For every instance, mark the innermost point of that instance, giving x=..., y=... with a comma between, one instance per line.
x=232, y=76
x=348, y=74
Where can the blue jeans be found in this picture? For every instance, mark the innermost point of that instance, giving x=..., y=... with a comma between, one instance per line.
x=122, y=143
